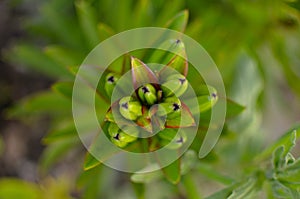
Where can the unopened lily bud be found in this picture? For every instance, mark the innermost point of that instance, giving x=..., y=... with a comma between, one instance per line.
x=170, y=107
x=172, y=139
x=178, y=141
x=110, y=83
x=147, y=94
x=174, y=85
x=129, y=108
x=119, y=137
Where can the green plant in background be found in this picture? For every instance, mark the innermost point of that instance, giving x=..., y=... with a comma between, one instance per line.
x=250, y=42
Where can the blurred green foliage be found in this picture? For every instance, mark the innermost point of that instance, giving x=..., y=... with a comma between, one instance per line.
x=256, y=46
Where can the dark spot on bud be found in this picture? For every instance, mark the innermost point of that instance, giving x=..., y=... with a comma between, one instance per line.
x=111, y=79
x=178, y=41
x=117, y=137
x=214, y=95
x=125, y=105
x=176, y=107
x=180, y=140
x=182, y=80
x=145, y=89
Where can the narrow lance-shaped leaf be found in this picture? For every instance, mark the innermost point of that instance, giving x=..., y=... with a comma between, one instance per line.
x=90, y=162
x=281, y=141
x=172, y=172
x=105, y=31
x=88, y=22
x=179, y=21
x=141, y=73
x=34, y=58
x=64, y=56
x=64, y=88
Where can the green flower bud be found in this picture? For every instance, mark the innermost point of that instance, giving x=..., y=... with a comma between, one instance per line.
x=178, y=141
x=175, y=85
x=170, y=107
x=110, y=83
x=147, y=94
x=130, y=109
x=119, y=137
x=172, y=139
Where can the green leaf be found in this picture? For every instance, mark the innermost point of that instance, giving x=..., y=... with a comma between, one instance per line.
x=244, y=191
x=186, y=119
x=139, y=190
x=34, y=58
x=277, y=157
x=284, y=140
x=64, y=88
x=211, y=173
x=90, y=162
x=280, y=191
x=141, y=73
x=63, y=56
x=144, y=176
x=168, y=134
x=64, y=27
x=104, y=31
x=179, y=21
x=293, y=167
x=56, y=151
x=64, y=131
x=41, y=103
x=191, y=188
x=189, y=161
x=15, y=189
x=233, y=108
x=88, y=22
x=224, y=193
x=172, y=172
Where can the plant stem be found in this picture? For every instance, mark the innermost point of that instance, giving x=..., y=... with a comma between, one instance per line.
x=192, y=192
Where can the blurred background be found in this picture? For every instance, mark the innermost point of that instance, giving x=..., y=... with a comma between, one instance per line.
x=255, y=44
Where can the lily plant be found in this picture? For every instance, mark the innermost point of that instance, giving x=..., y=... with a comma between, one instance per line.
x=156, y=104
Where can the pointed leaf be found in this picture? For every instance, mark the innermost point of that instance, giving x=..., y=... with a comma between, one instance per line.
x=66, y=131
x=104, y=31
x=34, y=58
x=245, y=190
x=233, y=109
x=283, y=140
x=90, y=162
x=56, y=151
x=141, y=73
x=88, y=22
x=179, y=21
x=139, y=189
x=63, y=55
x=172, y=172
x=64, y=88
